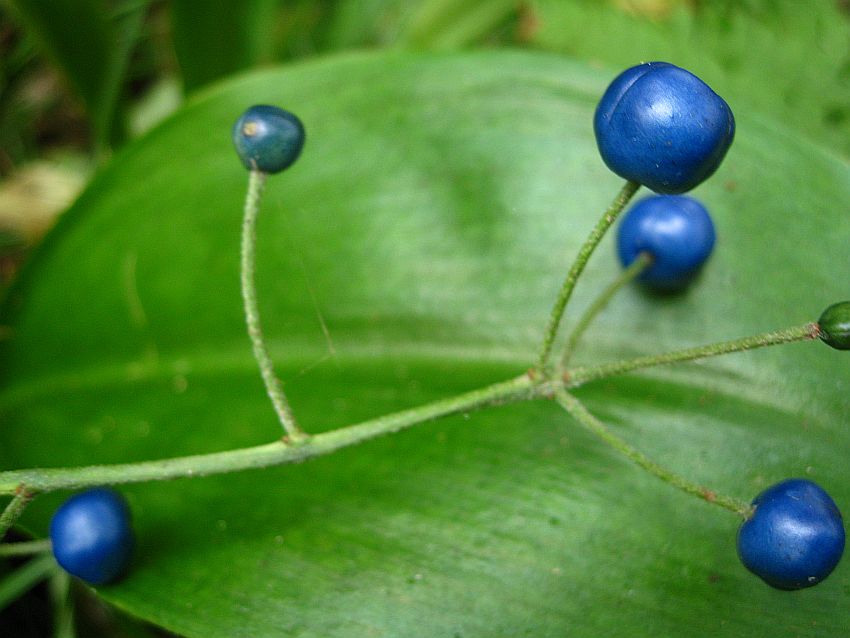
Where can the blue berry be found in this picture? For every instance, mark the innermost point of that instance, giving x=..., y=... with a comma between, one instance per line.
x=268, y=139
x=834, y=326
x=677, y=233
x=91, y=535
x=663, y=127
x=795, y=537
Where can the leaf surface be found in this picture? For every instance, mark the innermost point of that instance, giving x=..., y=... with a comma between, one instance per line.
x=413, y=253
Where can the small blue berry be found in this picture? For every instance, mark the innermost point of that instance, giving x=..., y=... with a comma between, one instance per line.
x=268, y=139
x=91, y=535
x=677, y=233
x=663, y=127
x=795, y=537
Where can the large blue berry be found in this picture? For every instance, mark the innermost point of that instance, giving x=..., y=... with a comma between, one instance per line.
x=268, y=139
x=834, y=326
x=795, y=537
x=677, y=233
x=663, y=127
x=92, y=537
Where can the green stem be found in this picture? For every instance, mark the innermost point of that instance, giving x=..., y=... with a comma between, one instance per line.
x=581, y=414
x=25, y=548
x=274, y=387
x=578, y=376
x=640, y=264
x=277, y=453
x=626, y=193
x=63, y=605
x=22, y=580
x=16, y=506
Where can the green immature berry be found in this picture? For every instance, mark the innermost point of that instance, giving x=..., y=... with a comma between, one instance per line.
x=835, y=326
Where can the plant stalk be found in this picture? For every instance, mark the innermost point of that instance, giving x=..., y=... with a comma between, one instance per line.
x=22, y=497
x=28, y=576
x=632, y=272
x=274, y=387
x=580, y=413
x=579, y=376
x=276, y=453
x=25, y=548
x=608, y=218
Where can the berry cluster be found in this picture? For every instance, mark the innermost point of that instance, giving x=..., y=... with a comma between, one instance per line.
x=657, y=125
x=661, y=126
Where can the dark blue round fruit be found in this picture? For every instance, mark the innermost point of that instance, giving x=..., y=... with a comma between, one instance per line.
x=268, y=139
x=834, y=326
x=677, y=233
x=663, y=127
x=795, y=537
x=92, y=537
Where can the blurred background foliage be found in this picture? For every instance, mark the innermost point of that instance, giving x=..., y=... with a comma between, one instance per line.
x=81, y=78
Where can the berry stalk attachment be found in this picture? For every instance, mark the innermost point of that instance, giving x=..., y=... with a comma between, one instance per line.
x=268, y=140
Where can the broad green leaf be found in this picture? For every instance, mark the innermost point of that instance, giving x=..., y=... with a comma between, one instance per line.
x=784, y=58
x=426, y=228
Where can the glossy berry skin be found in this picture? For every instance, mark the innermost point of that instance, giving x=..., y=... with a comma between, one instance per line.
x=834, y=326
x=663, y=127
x=676, y=231
x=92, y=537
x=795, y=538
x=268, y=139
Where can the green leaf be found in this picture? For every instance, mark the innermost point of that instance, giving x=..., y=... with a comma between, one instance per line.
x=427, y=227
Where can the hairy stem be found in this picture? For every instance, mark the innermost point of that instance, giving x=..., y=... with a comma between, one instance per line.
x=22, y=498
x=277, y=453
x=581, y=414
x=634, y=270
x=626, y=193
x=274, y=387
x=578, y=376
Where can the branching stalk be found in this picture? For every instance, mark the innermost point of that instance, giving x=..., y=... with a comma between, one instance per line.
x=632, y=272
x=626, y=193
x=277, y=453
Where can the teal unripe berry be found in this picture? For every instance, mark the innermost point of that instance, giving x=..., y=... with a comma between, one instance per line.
x=268, y=139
